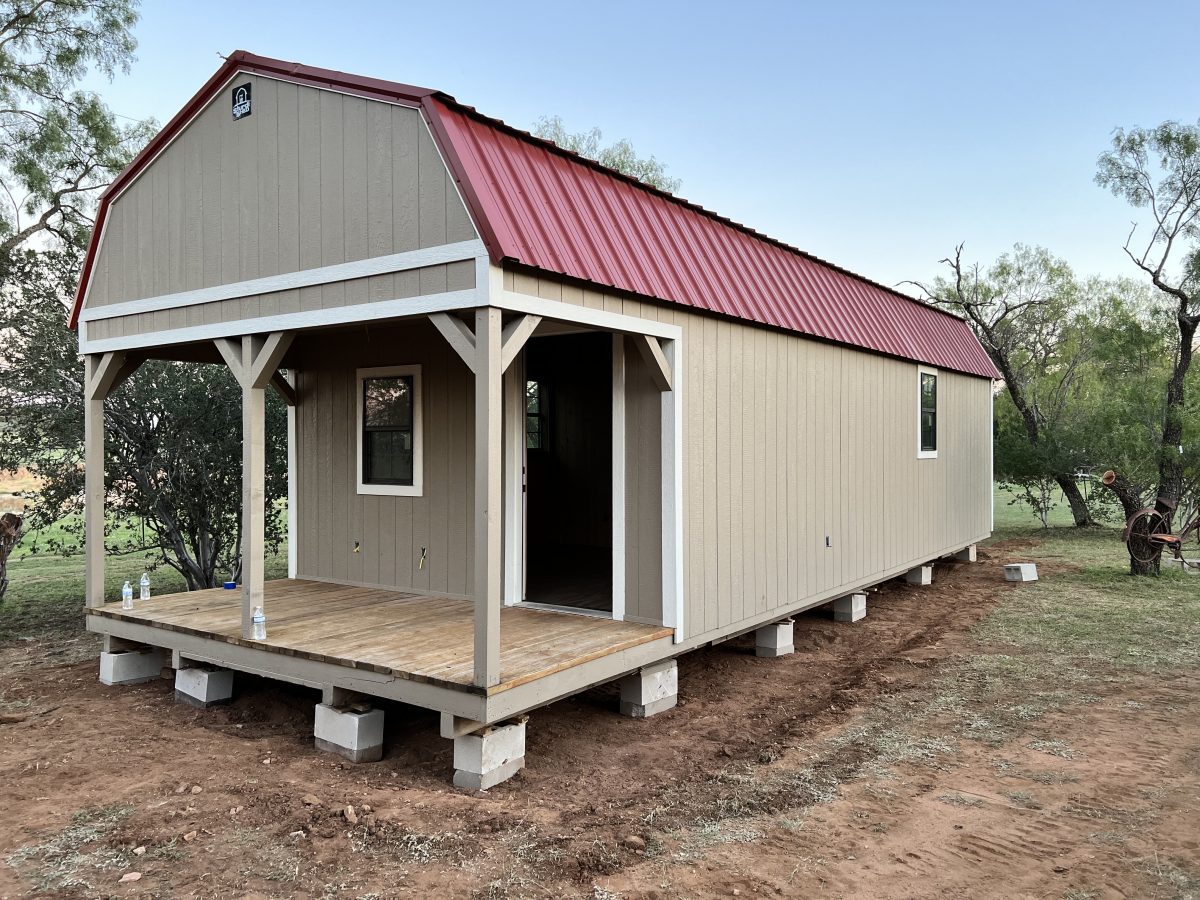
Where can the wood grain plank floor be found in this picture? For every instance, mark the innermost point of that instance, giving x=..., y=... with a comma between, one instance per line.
x=413, y=636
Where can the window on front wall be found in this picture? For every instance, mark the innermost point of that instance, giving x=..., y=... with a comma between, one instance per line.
x=389, y=431
x=928, y=413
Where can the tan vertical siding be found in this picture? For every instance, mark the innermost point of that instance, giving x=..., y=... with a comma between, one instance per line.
x=312, y=178
x=787, y=441
x=390, y=530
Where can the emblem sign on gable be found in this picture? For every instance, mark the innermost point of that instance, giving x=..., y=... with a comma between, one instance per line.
x=241, y=101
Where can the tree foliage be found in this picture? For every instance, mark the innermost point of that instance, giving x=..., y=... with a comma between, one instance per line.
x=619, y=155
x=1022, y=309
x=59, y=146
x=1157, y=170
x=173, y=435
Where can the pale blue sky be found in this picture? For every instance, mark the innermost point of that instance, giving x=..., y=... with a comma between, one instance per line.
x=874, y=134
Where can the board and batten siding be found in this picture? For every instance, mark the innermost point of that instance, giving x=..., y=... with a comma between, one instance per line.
x=390, y=530
x=787, y=442
x=311, y=178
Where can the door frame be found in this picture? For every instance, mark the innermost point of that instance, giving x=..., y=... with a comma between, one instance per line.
x=515, y=480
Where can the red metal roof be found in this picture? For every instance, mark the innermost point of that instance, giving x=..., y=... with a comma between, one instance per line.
x=554, y=211
x=544, y=207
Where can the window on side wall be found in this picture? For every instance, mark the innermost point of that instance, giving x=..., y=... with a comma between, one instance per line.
x=389, y=431
x=927, y=413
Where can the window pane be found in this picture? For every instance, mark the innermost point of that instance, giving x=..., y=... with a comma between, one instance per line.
x=388, y=457
x=928, y=392
x=928, y=431
x=533, y=432
x=387, y=402
x=533, y=397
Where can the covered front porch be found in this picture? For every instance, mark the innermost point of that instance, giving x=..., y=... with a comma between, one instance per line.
x=404, y=636
x=414, y=590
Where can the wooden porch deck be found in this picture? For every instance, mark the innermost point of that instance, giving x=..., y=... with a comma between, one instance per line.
x=410, y=636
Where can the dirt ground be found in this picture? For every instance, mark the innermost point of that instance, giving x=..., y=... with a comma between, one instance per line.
x=881, y=759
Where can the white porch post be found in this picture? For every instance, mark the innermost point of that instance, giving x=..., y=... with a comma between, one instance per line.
x=488, y=494
x=254, y=457
x=254, y=362
x=103, y=372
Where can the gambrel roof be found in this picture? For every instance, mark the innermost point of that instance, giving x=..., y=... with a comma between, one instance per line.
x=540, y=206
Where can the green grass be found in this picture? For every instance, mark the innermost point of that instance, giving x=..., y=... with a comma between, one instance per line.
x=45, y=592
x=1014, y=514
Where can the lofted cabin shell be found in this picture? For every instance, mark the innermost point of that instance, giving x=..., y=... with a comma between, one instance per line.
x=547, y=427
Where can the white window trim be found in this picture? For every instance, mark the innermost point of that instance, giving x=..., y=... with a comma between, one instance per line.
x=392, y=490
x=928, y=370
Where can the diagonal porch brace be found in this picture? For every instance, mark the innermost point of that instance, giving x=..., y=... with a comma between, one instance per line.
x=656, y=360
x=515, y=335
x=457, y=335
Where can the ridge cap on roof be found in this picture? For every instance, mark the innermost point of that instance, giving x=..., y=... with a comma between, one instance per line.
x=550, y=145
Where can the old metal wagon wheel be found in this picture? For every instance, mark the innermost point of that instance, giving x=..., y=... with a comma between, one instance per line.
x=1146, y=534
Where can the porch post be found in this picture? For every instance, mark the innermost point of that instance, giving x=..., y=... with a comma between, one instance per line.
x=93, y=479
x=102, y=373
x=488, y=494
x=254, y=456
x=254, y=362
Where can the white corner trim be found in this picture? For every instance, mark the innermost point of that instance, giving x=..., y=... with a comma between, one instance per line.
x=514, y=483
x=339, y=315
x=927, y=370
x=391, y=490
x=672, y=494
x=293, y=554
x=618, y=477
x=347, y=271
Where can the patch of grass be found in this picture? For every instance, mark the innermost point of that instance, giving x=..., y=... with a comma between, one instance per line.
x=1184, y=883
x=1023, y=798
x=45, y=594
x=1054, y=748
x=695, y=842
x=62, y=862
x=960, y=800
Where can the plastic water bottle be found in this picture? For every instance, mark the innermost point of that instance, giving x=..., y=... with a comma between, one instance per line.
x=258, y=625
x=144, y=584
x=127, y=596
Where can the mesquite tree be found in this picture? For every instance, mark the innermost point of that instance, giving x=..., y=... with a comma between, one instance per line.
x=1021, y=311
x=59, y=146
x=1158, y=170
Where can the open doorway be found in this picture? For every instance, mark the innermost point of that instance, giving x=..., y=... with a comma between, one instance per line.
x=568, y=447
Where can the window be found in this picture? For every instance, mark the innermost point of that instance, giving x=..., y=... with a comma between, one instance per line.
x=927, y=438
x=389, y=431
x=535, y=417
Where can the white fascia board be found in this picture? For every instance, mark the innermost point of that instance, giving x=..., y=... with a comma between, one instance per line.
x=348, y=271
x=340, y=315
